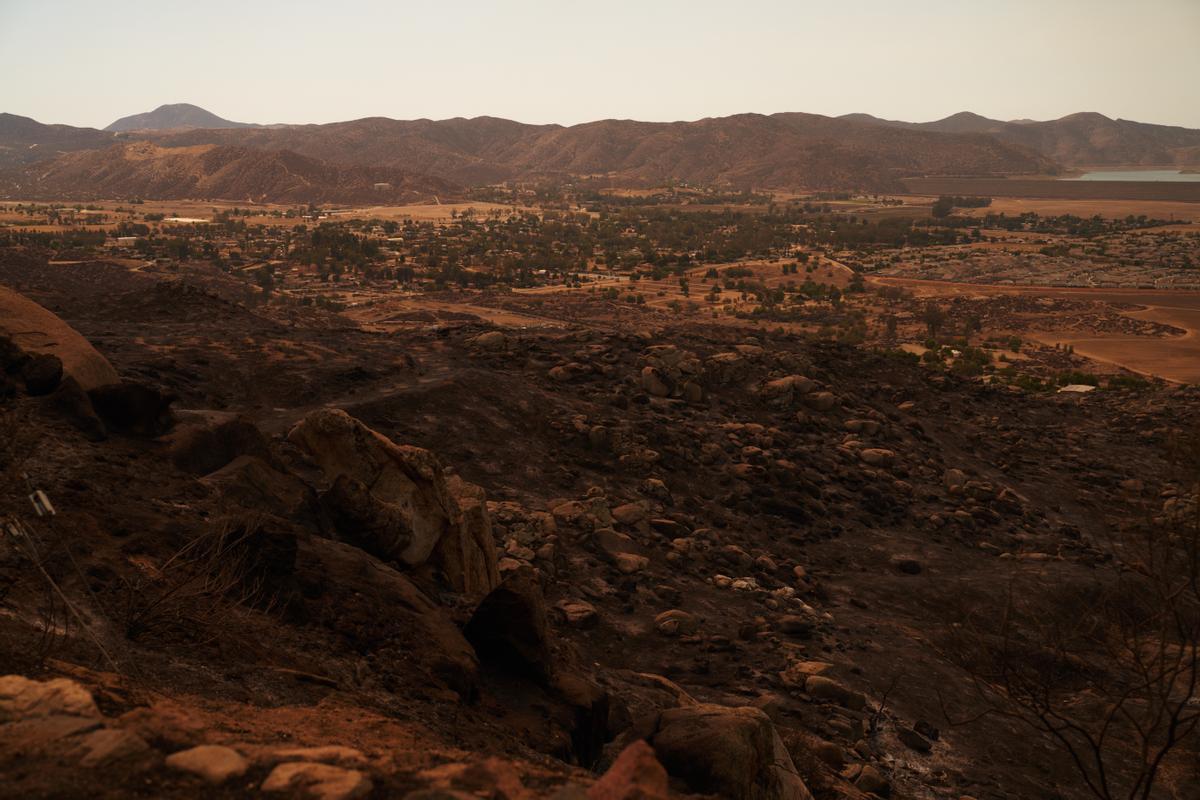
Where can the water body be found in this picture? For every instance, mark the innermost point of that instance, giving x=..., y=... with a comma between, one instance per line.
x=1137, y=175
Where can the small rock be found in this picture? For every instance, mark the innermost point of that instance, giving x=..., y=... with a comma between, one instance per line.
x=676, y=622
x=577, y=613
x=877, y=457
x=795, y=625
x=821, y=401
x=906, y=564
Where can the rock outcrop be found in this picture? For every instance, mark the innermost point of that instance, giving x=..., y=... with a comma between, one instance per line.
x=38, y=332
x=395, y=502
x=731, y=752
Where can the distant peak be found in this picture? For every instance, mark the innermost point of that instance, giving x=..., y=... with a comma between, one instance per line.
x=174, y=115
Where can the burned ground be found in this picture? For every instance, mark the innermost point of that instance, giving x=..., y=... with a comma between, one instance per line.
x=710, y=512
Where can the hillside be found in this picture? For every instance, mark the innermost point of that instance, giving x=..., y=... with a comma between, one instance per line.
x=174, y=116
x=24, y=140
x=141, y=169
x=1077, y=139
x=788, y=150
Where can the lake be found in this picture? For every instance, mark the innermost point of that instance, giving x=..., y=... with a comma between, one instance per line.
x=1137, y=175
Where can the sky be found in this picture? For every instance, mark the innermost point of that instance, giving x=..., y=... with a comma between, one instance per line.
x=565, y=61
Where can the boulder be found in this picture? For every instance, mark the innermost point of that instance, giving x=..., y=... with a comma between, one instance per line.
x=109, y=746
x=373, y=607
x=317, y=781
x=470, y=555
x=954, y=479
x=490, y=342
x=204, y=441
x=828, y=689
x=725, y=368
x=656, y=382
x=71, y=402
x=250, y=482
x=394, y=501
x=676, y=622
x=877, y=457
x=41, y=373
x=35, y=331
x=782, y=392
x=133, y=408
x=336, y=754
x=635, y=775
x=509, y=630
x=733, y=753
x=213, y=763
x=821, y=401
x=22, y=698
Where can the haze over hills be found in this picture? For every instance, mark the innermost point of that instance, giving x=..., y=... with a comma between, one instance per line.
x=787, y=150
x=174, y=116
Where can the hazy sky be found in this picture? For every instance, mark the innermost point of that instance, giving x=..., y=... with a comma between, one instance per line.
x=87, y=63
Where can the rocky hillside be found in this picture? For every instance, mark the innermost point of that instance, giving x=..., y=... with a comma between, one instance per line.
x=142, y=169
x=173, y=116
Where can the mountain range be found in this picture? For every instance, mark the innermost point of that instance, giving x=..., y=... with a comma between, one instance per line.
x=787, y=150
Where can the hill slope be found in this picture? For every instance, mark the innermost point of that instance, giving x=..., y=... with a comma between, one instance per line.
x=142, y=169
x=1078, y=139
x=24, y=140
x=174, y=116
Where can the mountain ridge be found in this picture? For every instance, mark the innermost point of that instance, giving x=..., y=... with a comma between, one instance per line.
x=783, y=150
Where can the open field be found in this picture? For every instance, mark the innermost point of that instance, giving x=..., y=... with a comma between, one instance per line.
x=1188, y=192
x=1108, y=209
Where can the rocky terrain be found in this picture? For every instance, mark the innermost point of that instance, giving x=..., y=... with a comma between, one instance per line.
x=659, y=558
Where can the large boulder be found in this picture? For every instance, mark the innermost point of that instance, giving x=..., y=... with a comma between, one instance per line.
x=254, y=485
x=38, y=332
x=204, y=441
x=134, y=408
x=395, y=502
x=509, y=629
x=375, y=609
x=730, y=752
